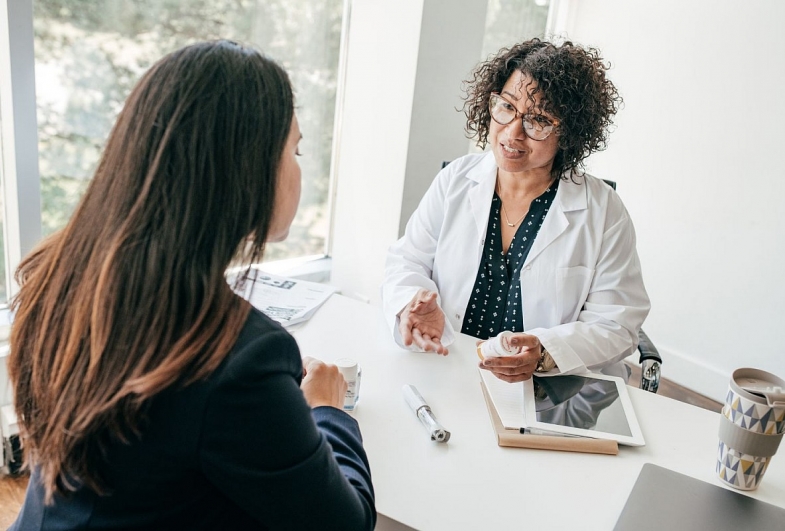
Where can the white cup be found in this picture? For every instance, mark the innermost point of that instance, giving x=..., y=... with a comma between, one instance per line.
x=352, y=373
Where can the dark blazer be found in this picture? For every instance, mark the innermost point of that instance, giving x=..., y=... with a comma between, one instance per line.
x=239, y=450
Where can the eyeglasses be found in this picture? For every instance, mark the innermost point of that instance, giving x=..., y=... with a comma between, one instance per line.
x=535, y=126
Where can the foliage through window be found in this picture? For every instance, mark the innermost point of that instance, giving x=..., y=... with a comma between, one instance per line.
x=508, y=22
x=90, y=53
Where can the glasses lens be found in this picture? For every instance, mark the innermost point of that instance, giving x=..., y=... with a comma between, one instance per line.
x=501, y=111
x=537, y=127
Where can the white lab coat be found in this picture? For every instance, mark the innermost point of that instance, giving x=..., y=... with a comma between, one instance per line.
x=581, y=284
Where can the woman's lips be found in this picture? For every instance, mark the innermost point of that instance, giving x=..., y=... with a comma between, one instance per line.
x=511, y=153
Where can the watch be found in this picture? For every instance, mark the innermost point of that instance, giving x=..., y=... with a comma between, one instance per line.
x=546, y=362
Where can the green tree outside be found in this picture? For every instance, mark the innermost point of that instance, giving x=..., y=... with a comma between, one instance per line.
x=90, y=53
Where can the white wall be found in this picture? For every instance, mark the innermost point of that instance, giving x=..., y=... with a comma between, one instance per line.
x=405, y=64
x=451, y=39
x=696, y=157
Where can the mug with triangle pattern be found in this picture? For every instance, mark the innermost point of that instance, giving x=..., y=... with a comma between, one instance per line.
x=751, y=427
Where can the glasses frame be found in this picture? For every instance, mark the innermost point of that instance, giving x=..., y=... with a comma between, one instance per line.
x=522, y=116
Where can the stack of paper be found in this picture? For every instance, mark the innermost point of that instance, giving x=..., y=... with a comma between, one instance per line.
x=286, y=300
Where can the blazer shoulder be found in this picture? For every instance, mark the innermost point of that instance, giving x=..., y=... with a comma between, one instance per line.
x=263, y=346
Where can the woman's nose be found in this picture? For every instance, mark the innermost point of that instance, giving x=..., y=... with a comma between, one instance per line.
x=514, y=129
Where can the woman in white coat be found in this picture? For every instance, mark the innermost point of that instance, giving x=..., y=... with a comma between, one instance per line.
x=519, y=238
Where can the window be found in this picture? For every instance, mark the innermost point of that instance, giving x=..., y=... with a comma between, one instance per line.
x=90, y=53
x=509, y=22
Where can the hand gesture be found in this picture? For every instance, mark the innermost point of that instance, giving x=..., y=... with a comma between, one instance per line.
x=519, y=367
x=322, y=384
x=422, y=322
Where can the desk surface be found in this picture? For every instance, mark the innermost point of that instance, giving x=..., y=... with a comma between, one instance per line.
x=470, y=482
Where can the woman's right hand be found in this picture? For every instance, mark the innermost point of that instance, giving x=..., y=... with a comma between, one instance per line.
x=422, y=323
x=323, y=384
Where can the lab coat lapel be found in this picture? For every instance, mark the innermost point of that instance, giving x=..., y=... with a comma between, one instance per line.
x=481, y=195
x=569, y=197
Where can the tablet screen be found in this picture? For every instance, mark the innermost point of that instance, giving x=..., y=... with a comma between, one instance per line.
x=579, y=402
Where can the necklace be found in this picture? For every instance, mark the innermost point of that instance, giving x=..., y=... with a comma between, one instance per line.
x=504, y=210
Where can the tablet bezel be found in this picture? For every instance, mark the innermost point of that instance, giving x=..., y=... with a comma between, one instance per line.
x=530, y=415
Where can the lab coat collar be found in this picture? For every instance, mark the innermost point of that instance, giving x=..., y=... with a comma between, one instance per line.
x=571, y=196
x=485, y=168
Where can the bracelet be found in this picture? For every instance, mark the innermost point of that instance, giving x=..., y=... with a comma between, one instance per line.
x=546, y=362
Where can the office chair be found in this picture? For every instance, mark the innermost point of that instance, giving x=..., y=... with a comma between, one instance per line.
x=649, y=358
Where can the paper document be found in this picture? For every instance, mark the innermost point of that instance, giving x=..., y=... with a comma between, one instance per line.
x=286, y=300
x=507, y=398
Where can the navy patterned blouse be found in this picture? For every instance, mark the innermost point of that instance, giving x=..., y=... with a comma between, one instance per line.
x=495, y=302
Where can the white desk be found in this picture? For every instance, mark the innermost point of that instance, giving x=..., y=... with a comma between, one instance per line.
x=470, y=482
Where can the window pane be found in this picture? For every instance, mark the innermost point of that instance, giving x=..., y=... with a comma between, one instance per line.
x=89, y=54
x=512, y=21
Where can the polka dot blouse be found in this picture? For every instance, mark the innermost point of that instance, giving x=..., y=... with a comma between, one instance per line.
x=495, y=303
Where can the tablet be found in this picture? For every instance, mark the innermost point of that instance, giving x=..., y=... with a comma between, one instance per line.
x=587, y=405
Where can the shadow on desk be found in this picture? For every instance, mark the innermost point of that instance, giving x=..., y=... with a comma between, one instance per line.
x=385, y=524
x=677, y=392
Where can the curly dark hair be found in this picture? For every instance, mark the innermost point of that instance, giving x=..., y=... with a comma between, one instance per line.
x=571, y=80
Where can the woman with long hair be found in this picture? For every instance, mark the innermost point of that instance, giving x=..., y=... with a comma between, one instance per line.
x=150, y=395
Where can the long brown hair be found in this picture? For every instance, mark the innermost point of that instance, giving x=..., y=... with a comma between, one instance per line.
x=130, y=297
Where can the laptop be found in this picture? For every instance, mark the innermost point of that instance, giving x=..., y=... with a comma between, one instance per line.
x=664, y=499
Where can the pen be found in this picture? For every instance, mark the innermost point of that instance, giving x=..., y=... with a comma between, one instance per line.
x=537, y=431
x=424, y=413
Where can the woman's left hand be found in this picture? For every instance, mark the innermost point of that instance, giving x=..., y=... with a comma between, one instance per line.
x=323, y=384
x=517, y=368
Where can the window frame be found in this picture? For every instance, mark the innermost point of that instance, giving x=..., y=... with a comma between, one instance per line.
x=21, y=185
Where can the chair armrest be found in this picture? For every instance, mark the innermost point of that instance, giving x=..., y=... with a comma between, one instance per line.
x=647, y=349
x=650, y=361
